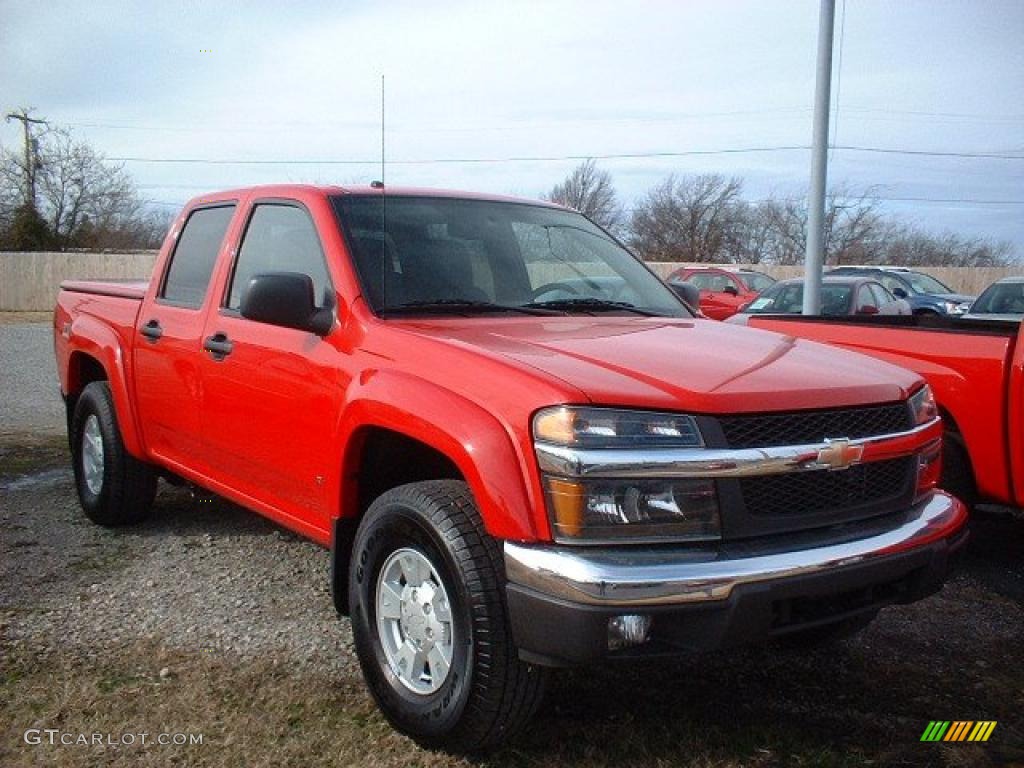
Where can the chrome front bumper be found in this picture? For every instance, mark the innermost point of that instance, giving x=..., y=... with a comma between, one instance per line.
x=647, y=576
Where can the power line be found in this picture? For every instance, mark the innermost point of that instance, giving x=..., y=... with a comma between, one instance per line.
x=559, y=158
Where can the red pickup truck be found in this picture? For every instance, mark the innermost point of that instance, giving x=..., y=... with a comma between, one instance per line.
x=521, y=448
x=976, y=370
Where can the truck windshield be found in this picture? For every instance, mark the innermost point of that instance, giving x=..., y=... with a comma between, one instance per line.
x=436, y=255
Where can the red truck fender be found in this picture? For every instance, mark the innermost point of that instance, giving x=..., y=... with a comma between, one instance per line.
x=93, y=338
x=479, y=445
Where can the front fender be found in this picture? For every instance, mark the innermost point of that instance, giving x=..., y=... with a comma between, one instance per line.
x=479, y=444
x=93, y=338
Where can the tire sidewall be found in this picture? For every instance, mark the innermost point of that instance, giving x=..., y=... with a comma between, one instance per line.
x=386, y=530
x=92, y=402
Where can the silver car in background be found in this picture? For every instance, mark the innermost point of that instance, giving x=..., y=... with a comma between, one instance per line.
x=839, y=296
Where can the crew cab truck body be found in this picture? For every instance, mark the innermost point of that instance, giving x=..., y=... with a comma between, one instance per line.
x=522, y=450
x=976, y=370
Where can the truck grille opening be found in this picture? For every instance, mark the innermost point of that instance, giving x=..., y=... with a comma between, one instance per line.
x=802, y=611
x=804, y=427
x=803, y=493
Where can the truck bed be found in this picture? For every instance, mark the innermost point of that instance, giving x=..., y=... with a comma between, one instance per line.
x=125, y=289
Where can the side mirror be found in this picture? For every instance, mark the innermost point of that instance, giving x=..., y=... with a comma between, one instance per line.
x=688, y=293
x=286, y=299
x=867, y=309
x=899, y=293
x=731, y=290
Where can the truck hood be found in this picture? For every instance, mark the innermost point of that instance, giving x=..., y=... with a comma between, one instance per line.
x=702, y=366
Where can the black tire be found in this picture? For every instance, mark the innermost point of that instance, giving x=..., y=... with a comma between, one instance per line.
x=128, y=486
x=489, y=693
x=957, y=475
x=826, y=634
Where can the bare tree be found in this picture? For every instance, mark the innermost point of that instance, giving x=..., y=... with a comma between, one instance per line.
x=84, y=200
x=688, y=218
x=590, y=191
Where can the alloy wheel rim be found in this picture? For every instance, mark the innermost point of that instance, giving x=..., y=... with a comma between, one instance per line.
x=414, y=621
x=92, y=455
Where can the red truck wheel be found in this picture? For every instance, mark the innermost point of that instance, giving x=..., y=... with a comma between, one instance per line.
x=114, y=488
x=429, y=620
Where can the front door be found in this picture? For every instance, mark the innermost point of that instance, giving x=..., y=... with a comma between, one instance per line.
x=272, y=394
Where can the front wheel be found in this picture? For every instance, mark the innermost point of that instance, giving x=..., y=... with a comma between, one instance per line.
x=430, y=624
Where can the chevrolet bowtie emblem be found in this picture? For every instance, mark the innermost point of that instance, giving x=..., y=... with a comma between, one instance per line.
x=840, y=454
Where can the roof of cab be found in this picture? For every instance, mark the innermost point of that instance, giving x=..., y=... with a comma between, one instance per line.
x=286, y=190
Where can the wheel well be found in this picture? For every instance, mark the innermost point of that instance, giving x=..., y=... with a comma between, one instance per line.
x=384, y=459
x=952, y=433
x=83, y=370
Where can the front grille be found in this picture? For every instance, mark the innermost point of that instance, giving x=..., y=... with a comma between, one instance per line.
x=804, y=427
x=838, y=492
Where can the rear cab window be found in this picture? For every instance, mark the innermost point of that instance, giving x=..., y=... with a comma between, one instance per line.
x=195, y=254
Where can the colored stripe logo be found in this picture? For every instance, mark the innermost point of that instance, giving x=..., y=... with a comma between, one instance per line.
x=958, y=730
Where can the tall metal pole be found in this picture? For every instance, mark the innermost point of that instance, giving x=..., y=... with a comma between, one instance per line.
x=30, y=154
x=815, y=257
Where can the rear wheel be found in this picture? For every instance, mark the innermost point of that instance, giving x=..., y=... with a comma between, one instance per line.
x=429, y=620
x=114, y=488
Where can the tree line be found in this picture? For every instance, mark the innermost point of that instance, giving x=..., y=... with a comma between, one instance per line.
x=705, y=218
x=58, y=193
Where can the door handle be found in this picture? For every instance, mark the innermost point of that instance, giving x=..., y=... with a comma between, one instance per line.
x=219, y=345
x=152, y=330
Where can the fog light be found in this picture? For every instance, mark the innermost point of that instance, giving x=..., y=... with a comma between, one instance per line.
x=629, y=630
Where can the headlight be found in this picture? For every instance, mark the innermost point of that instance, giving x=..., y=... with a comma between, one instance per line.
x=596, y=511
x=611, y=509
x=611, y=428
x=922, y=406
x=955, y=308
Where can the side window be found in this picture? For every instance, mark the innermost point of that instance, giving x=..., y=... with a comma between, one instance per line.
x=882, y=296
x=701, y=280
x=279, y=238
x=892, y=283
x=865, y=298
x=188, y=275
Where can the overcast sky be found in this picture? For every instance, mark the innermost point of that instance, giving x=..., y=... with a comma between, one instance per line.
x=499, y=80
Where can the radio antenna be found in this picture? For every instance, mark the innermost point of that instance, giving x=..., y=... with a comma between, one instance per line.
x=384, y=266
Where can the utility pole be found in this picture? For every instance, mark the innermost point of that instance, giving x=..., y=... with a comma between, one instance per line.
x=30, y=151
x=815, y=258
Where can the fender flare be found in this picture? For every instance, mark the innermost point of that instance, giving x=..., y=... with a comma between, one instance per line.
x=474, y=439
x=93, y=338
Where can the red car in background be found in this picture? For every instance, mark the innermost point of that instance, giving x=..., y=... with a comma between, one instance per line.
x=723, y=291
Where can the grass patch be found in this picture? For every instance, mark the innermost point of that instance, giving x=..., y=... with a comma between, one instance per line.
x=261, y=713
x=22, y=454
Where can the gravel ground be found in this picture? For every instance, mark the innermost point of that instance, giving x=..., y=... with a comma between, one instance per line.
x=28, y=380
x=205, y=578
x=201, y=574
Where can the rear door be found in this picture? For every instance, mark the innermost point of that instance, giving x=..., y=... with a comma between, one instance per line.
x=168, y=347
x=271, y=403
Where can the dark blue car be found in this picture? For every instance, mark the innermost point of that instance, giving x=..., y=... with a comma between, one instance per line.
x=925, y=294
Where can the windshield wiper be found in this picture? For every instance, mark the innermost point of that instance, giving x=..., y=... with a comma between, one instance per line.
x=442, y=306
x=592, y=303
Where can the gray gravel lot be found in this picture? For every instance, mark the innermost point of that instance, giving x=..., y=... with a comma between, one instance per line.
x=28, y=380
